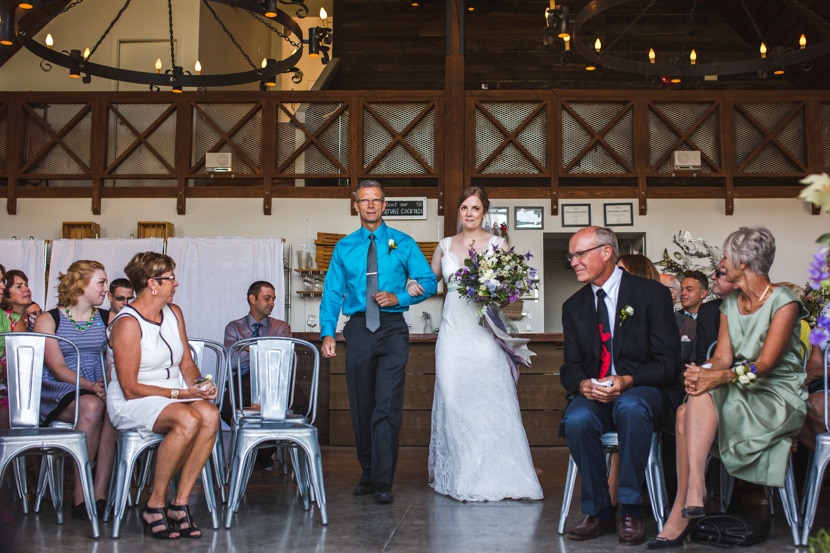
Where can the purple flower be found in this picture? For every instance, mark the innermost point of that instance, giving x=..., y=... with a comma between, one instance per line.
x=818, y=268
x=819, y=335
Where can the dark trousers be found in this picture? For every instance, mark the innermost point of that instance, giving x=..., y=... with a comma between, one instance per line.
x=634, y=416
x=245, y=393
x=375, y=372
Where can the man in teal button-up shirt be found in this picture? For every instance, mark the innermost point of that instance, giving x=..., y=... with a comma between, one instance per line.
x=375, y=361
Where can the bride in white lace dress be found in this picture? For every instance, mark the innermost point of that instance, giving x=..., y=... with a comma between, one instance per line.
x=478, y=450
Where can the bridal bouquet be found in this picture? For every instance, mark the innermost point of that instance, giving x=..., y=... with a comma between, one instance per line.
x=493, y=279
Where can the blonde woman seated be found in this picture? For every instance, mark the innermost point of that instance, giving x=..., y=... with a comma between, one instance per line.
x=747, y=402
x=81, y=292
x=155, y=388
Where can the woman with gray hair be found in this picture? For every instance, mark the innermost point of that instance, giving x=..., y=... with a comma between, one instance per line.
x=749, y=398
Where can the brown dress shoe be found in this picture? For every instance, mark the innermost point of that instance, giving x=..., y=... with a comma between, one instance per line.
x=632, y=531
x=592, y=527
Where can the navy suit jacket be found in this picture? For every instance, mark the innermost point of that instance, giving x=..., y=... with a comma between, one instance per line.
x=646, y=343
x=708, y=325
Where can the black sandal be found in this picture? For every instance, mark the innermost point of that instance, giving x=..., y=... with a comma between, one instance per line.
x=191, y=529
x=167, y=533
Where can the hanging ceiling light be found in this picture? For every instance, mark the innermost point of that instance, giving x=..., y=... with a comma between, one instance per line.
x=175, y=76
x=6, y=27
x=772, y=59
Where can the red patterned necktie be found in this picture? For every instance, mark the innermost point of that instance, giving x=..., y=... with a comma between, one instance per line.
x=604, y=335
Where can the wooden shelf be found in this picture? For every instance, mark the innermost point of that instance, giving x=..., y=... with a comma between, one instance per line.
x=81, y=229
x=310, y=293
x=311, y=271
x=154, y=229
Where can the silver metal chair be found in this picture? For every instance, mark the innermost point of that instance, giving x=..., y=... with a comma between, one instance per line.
x=131, y=446
x=655, y=481
x=273, y=379
x=818, y=466
x=24, y=366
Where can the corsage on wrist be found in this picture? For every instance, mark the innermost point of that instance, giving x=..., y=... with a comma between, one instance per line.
x=745, y=373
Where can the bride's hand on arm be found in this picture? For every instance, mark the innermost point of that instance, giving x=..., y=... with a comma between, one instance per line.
x=414, y=288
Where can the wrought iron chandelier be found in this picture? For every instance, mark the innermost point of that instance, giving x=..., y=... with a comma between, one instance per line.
x=673, y=67
x=264, y=12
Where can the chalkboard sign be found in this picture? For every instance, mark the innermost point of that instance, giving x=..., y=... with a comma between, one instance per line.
x=405, y=208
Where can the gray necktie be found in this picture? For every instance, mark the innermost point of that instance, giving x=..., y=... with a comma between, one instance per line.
x=372, y=308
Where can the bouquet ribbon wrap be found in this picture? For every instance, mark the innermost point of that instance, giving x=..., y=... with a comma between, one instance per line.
x=515, y=348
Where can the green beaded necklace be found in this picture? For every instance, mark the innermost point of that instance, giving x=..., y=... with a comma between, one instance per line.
x=83, y=325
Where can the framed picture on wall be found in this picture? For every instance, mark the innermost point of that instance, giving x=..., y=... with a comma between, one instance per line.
x=619, y=215
x=576, y=215
x=528, y=218
x=498, y=219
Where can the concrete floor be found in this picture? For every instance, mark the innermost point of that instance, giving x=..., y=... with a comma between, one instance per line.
x=272, y=519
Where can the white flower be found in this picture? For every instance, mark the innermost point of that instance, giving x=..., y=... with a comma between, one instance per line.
x=744, y=379
x=817, y=190
x=392, y=245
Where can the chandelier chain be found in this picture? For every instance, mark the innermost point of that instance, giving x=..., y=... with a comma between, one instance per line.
x=811, y=13
x=230, y=35
x=109, y=28
x=630, y=26
x=688, y=27
x=170, y=25
x=273, y=29
x=752, y=20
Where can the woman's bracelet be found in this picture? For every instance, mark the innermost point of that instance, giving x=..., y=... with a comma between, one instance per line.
x=174, y=393
x=745, y=373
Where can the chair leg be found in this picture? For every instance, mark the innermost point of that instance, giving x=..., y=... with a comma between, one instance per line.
x=43, y=482
x=55, y=470
x=301, y=471
x=789, y=503
x=210, y=496
x=656, y=483
x=812, y=488
x=315, y=461
x=85, y=470
x=567, y=494
x=727, y=485
x=20, y=480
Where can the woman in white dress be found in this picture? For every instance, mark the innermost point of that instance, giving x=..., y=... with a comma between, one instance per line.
x=478, y=448
x=156, y=387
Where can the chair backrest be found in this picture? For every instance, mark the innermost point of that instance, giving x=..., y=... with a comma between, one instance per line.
x=211, y=358
x=24, y=375
x=826, y=360
x=273, y=374
x=711, y=349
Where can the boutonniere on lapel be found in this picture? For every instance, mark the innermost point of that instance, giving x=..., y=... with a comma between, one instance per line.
x=392, y=246
x=625, y=313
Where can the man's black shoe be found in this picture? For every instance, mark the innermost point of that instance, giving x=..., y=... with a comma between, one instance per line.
x=384, y=495
x=364, y=488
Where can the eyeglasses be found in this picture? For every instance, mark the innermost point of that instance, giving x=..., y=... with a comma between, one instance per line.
x=366, y=202
x=583, y=253
x=171, y=277
x=127, y=299
x=719, y=273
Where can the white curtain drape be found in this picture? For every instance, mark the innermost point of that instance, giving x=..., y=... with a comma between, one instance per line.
x=28, y=256
x=114, y=253
x=214, y=275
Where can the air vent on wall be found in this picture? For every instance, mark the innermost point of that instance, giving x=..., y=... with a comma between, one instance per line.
x=686, y=160
x=219, y=162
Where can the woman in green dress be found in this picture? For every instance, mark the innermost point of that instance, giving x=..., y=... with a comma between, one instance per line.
x=748, y=401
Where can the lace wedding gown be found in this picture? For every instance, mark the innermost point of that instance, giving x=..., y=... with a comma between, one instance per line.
x=478, y=450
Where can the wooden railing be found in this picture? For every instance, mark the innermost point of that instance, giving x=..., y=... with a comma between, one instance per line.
x=524, y=144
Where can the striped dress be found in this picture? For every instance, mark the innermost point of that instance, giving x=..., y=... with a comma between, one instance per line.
x=89, y=342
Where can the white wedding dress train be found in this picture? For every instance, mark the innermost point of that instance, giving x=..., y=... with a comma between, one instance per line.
x=478, y=449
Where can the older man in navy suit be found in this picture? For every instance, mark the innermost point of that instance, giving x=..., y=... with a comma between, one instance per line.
x=621, y=373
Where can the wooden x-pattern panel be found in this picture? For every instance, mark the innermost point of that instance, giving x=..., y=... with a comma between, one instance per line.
x=770, y=138
x=57, y=140
x=228, y=127
x=149, y=153
x=399, y=137
x=511, y=138
x=313, y=139
x=597, y=138
x=677, y=126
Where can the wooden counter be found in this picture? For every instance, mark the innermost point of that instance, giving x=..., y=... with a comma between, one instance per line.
x=541, y=395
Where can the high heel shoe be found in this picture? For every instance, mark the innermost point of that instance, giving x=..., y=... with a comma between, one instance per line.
x=666, y=543
x=693, y=512
x=167, y=533
x=190, y=531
